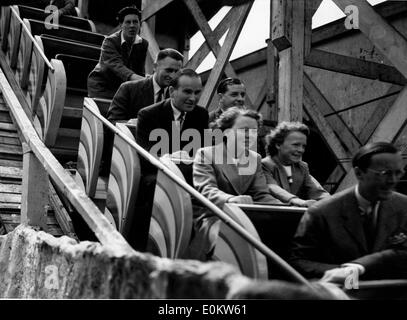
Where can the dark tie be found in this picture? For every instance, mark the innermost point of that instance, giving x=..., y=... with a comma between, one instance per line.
x=181, y=119
x=369, y=226
x=160, y=95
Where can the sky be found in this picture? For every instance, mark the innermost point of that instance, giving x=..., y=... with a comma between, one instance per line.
x=258, y=24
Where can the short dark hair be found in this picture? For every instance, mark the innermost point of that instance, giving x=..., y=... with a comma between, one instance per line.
x=223, y=85
x=364, y=155
x=228, y=118
x=169, y=52
x=184, y=72
x=279, y=133
x=127, y=10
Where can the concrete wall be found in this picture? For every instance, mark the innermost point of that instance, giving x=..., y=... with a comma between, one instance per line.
x=34, y=264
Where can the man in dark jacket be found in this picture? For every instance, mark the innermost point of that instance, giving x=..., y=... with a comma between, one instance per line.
x=122, y=57
x=135, y=95
x=361, y=231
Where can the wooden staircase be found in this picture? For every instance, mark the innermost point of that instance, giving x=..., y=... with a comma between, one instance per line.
x=11, y=173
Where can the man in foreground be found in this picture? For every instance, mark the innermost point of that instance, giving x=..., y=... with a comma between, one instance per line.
x=361, y=231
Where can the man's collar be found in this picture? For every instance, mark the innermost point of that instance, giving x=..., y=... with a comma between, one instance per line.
x=156, y=86
x=137, y=39
x=175, y=111
x=362, y=202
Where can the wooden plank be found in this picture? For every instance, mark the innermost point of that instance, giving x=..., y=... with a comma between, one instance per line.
x=10, y=206
x=153, y=8
x=11, y=149
x=10, y=197
x=10, y=172
x=378, y=114
x=219, y=31
x=387, y=130
x=35, y=190
x=153, y=47
x=8, y=127
x=354, y=66
x=224, y=55
x=10, y=188
x=61, y=215
x=383, y=35
x=297, y=68
x=282, y=32
x=339, y=126
x=8, y=134
x=331, y=184
x=337, y=29
x=327, y=134
x=206, y=30
x=9, y=141
x=11, y=163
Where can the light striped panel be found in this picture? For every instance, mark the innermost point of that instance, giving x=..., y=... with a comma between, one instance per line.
x=232, y=248
x=171, y=221
x=47, y=117
x=124, y=180
x=90, y=148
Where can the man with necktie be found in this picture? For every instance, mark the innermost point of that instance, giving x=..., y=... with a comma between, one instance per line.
x=361, y=230
x=135, y=95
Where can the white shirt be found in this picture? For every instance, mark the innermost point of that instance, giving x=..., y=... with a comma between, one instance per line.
x=289, y=172
x=137, y=39
x=365, y=204
x=177, y=114
x=156, y=88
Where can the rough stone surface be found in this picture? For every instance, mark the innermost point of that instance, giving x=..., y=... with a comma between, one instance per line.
x=36, y=265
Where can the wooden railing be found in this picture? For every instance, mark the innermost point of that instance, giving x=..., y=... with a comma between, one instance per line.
x=38, y=163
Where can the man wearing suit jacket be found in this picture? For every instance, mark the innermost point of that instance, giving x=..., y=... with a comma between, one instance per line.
x=122, y=57
x=231, y=93
x=180, y=111
x=360, y=231
x=135, y=95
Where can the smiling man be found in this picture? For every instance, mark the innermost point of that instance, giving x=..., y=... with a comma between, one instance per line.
x=135, y=95
x=361, y=230
x=122, y=57
x=231, y=93
x=179, y=111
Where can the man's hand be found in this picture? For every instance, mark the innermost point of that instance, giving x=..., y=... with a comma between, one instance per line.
x=339, y=275
x=241, y=199
x=301, y=203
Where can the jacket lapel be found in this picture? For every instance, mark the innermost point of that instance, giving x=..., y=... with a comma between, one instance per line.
x=352, y=220
x=282, y=176
x=298, y=178
x=387, y=222
x=228, y=169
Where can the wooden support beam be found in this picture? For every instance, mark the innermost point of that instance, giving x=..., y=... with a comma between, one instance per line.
x=34, y=198
x=336, y=29
x=331, y=184
x=387, y=130
x=153, y=47
x=291, y=62
x=219, y=31
x=206, y=30
x=339, y=126
x=354, y=66
x=327, y=134
x=367, y=129
x=224, y=54
x=282, y=29
x=383, y=35
x=153, y=8
x=261, y=97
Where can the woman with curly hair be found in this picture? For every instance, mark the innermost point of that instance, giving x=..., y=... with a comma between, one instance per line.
x=287, y=176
